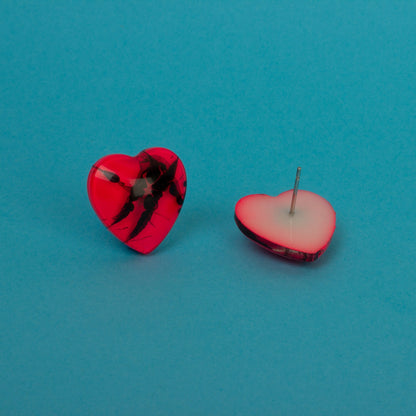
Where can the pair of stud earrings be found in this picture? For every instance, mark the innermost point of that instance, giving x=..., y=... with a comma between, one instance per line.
x=139, y=199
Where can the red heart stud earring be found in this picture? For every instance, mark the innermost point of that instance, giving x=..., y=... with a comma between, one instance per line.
x=138, y=198
x=296, y=224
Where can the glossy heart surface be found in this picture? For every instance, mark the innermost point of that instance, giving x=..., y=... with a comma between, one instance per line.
x=138, y=198
x=303, y=236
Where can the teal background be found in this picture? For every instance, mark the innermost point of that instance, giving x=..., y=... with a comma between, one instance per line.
x=209, y=324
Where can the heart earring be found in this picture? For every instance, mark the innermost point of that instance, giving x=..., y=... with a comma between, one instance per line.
x=296, y=224
x=138, y=198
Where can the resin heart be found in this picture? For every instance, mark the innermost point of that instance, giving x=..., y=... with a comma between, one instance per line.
x=303, y=236
x=138, y=198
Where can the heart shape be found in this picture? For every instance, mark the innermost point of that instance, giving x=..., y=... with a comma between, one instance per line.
x=138, y=198
x=303, y=236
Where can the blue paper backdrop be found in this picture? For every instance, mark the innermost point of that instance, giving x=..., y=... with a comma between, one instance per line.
x=209, y=324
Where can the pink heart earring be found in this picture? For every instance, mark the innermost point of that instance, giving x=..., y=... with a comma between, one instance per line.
x=138, y=198
x=296, y=224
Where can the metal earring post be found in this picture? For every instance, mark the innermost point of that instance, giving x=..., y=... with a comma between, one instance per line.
x=295, y=192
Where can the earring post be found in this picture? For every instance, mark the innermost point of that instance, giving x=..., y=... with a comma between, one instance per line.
x=295, y=192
